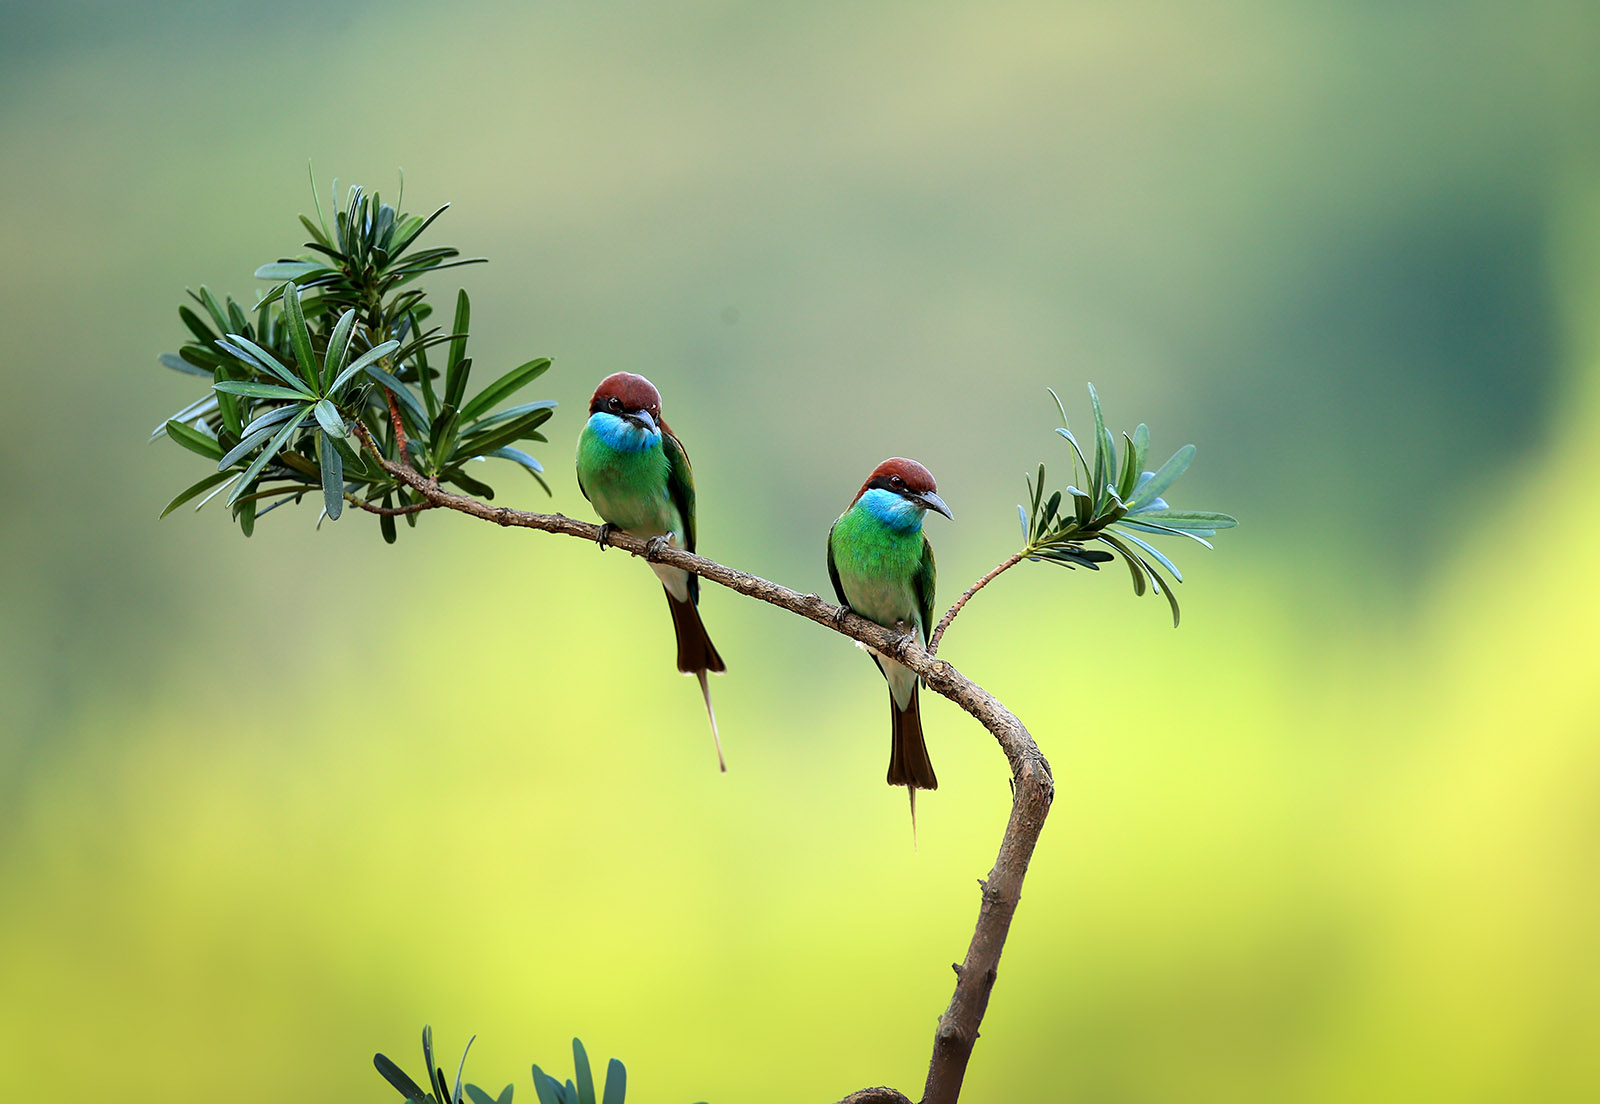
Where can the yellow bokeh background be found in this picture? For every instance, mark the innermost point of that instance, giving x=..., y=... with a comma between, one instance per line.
x=268, y=806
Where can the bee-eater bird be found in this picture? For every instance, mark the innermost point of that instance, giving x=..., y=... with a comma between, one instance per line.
x=634, y=471
x=881, y=565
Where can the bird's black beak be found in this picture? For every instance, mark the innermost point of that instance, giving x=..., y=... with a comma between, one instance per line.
x=642, y=419
x=932, y=501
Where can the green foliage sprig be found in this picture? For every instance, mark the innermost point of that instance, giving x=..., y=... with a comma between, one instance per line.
x=579, y=1090
x=1122, y=501
x=343, y=337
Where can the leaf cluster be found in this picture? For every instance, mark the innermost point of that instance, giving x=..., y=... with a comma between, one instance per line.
x=342, y=339
x=580, y=1089
x=1121, y=502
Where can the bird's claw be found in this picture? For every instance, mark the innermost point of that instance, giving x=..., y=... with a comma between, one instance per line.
x=904, y=642
x=839, y=614
x=604, y=539
x=653, y=546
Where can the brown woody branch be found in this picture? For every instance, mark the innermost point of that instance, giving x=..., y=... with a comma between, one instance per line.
x=1032, y=786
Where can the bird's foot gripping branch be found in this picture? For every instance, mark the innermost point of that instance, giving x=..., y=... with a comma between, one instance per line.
x=339, y=384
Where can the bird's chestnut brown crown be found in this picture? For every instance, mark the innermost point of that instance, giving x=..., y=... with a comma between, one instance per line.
x=902, y=476
x=624, y=392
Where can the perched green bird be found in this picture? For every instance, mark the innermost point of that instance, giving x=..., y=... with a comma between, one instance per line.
x=881, y=565
x=636, y=474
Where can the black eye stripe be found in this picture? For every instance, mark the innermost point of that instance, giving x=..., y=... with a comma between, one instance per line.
x=888, y=483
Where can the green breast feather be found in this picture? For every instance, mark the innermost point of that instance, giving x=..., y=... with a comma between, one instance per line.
x=883, y=574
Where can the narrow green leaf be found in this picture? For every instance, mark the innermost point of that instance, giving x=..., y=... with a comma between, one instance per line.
x=456, y=382
x=338, y=349
x=200, y=330
x=272, y=448
x=365, y=361
x=1082, y=506
x=547, y=1088
x=1165, y=589
x=510, y=412
x=1059, y=406
x=479, y=1096
x=467, y=483
x=253, y=440
x=1102, y=461
x=253, y=354
x=508, y=384
x=193, y=489
x=236, y=317
x=194, y=440
x=397, y=1077
x=1131, y=558
x=1164, y=477
x=386, y=522
x=383, y=227
x=424, y=373
x=518, y=456
x=616, y=1083
x=299, y=335
x=328, y=417
x=214, y=309
x=455, y=1097
x=1022, y=516
x=270, y=418
x=178, y=364
x=1077, y=453
x=1109, y=446
x=1189, y=519
x=402, y=241
x=1139, y=523
x=1155, y=554
x=505, y=434
x=289, y=270
x=319, y=234
x=585, y=1076
x=1141, y=447
x=1049, y=514
x=1130, y=469
x=258, y=390
x=455, y=376
x=442, y=436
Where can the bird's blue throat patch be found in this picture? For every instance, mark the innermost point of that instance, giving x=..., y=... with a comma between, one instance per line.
x=895, y=511
x=621, y=434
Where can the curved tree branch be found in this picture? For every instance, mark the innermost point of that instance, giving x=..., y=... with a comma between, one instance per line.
x=1032, y=785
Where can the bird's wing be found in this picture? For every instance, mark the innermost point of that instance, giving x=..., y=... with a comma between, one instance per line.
x=923, y=584
x=680, y=484
x=833, y=569
x=578, y=467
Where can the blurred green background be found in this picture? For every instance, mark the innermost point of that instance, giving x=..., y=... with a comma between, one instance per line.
x=1336, y=839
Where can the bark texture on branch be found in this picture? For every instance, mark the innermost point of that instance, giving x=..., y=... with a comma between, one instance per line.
x=1033, y=787
x=878, y=1095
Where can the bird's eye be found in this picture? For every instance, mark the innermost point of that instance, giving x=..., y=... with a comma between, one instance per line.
x=896, y=481
x=614, y=402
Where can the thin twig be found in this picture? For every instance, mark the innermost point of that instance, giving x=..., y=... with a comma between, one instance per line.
x=950, y=615
x=390, y=511
x=1032, y=786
